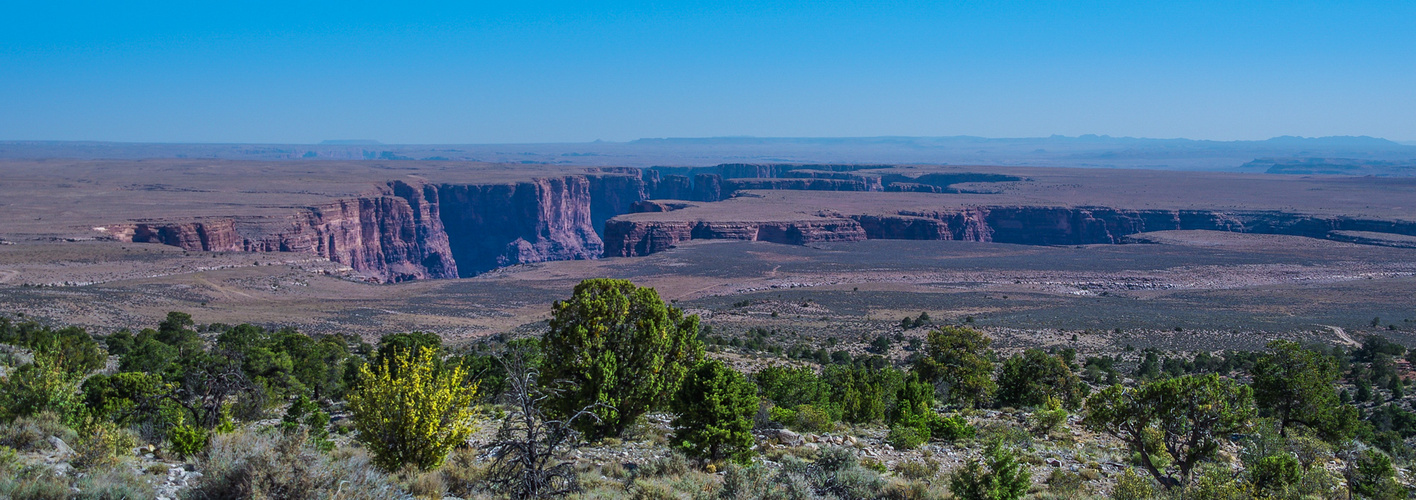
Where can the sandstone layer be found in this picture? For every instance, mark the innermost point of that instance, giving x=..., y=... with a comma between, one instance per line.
x=401, y=220
x=999, y=224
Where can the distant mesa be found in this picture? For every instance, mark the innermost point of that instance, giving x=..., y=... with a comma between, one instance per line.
x=1333, y=166
x=350, y=142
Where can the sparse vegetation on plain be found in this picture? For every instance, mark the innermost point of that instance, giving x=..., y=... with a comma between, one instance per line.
x=280, y=414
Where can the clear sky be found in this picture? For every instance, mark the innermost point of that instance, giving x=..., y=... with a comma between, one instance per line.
x=524, y=71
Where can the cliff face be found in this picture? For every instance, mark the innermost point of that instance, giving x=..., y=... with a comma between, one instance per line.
x=395, y=235
x=624, y=238
x=614, y=193
x=491, y=226
x=718, y=182
x=1017, y=225
x=404, y=231
x=802, y=184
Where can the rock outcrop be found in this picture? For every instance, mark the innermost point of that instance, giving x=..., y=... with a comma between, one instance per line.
x=1022, y=225
x=404, y=230
x=395, y=234
x=491, y=226
x=626, y=238
x=428, y=231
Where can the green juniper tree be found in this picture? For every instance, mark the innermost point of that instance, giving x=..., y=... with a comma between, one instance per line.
x=1028, y=379
x=715, y=406
x=997, y=476
x=1297, y=386
x=1191, y=413
x=619, y=345
x=960, y=360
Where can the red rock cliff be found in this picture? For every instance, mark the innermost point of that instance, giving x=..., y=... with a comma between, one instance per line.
x=626, y=238
x=491, y=226
x=394, y=235
x=1017, y=225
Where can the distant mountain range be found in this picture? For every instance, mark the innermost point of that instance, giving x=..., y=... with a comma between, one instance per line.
x=1344, y=155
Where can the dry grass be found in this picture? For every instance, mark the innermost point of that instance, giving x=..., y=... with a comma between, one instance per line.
x=252, y=464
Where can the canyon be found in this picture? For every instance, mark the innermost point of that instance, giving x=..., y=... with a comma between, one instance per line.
x=403, y=221
x=994, y=224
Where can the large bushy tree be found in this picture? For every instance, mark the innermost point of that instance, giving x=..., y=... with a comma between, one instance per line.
x=1297, y=386
x=1028, y=379
x=1191, y=414
x=960, y=361
x=616, y=344
x=715, y=405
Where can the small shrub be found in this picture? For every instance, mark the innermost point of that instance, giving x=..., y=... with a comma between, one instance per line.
x=316, y=422
x=856, y=482
x=1133, y=486
x=463, y=473
x=951, y=428
x=812, y=419
x=743, y=482
x=1048, y=418
x=32, y=433
x=188, y=440
x=104, y=446
x=39, y=386
x=908, y=490
x=24, y=435
x=1064, y=483
x=614, y=470
x=1005, y=433
x=247, y=464
x=672, y=465
x=428, y=485
x=1309, y=450
x=8, y=458
x=648, y=490
x=113, y=483
x=34, y=483
x=1274, y=473
x=875, y=465
x=836, y=458
x=917, y=471
x=997, y=476
x=1216, y=482
x=904, y=437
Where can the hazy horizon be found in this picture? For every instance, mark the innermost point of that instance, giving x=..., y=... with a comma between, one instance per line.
x=376, y=142
x=518, y=73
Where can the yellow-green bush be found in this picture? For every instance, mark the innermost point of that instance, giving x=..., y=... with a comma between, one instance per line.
x=1133, y=486
x=103, y=444
x=188, y=440
x=410, y=412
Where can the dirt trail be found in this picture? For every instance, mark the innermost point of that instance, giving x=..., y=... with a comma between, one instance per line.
x=1342, y=334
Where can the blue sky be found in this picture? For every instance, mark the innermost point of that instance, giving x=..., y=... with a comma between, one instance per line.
x=491, y=72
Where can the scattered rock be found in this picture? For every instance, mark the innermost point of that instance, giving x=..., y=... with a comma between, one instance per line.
x=59, y=446
x=785, y=436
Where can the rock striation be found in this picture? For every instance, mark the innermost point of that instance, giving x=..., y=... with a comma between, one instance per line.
x=626, y=238
x=419, y=229
x=406, y=231
x=395, y=234
x=492, y=226
x=1022, y=225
